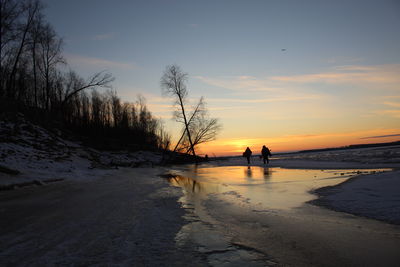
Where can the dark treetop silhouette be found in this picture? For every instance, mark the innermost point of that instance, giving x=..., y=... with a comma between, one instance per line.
x=35, y=83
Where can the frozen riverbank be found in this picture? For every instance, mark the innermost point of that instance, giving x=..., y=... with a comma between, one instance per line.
x=32, y=155
x=258, y=216
x=96, y=214
x=374, y=196
x=129, y=217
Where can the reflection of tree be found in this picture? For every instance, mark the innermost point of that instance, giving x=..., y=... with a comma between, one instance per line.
x=185, y=182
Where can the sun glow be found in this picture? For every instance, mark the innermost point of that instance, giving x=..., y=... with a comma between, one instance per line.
x=236, y=146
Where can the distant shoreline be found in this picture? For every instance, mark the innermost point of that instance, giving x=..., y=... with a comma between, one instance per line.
x=353, y=146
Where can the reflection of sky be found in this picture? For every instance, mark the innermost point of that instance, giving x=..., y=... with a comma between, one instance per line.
x=274, y=188
x=335, y=82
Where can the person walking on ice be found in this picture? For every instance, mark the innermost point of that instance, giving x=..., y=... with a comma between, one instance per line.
x=265, y=153
x=247, y=153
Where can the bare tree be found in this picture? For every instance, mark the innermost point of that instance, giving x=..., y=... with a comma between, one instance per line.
x=100, y=79
x=199, y=127
x=205, y=130
x=202, y=127
x=164, y=137
x=198, y=109
x=10, y=10
x=173, y=83
x=50, y=55
x=116, y=108
x=10, y=13
x=30, y=8
x=34, y=36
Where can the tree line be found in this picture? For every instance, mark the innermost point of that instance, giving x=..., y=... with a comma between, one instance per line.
x=34, y=81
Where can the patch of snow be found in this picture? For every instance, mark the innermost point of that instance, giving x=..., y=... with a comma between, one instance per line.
x=375, y=196
x=41, y=155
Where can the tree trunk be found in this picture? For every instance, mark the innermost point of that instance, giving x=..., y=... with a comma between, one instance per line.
x=186, y=125
x=34, y=72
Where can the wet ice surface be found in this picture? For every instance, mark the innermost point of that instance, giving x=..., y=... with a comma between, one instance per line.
x=235, y=213
x=129, y=218
x=270, y=188
x=204, y=233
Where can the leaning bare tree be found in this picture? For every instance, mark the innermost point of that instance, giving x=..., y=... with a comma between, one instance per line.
x=202, y=128
x=198, y=126
x=173, y=83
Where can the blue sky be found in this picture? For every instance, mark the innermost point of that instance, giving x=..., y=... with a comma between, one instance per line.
x=338, y=74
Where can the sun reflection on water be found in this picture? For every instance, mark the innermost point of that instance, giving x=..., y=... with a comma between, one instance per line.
x=274, y=188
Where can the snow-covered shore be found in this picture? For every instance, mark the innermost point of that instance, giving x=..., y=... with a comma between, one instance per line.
x=374, y=196
x=30, y=154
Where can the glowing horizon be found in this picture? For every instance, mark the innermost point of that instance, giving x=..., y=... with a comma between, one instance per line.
x=236, y=147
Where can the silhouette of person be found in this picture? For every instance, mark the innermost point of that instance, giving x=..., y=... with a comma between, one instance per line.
x=265, y=152
x=247, y=153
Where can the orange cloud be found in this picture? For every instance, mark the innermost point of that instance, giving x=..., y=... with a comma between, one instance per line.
x=392, y=104
x=389, y=112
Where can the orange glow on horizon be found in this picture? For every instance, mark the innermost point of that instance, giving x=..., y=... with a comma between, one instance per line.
x=236, y=146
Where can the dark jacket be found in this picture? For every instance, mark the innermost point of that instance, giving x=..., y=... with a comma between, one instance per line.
x=247, y=153
x=265, y=152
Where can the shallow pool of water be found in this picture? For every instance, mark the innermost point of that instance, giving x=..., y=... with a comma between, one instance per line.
x=255, y=216
x=272, y=188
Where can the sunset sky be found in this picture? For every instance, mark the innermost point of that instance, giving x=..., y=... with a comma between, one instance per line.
x=288, y=74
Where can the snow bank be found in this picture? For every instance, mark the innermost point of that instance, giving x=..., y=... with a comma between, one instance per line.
x=375, y=196
x=40, y=155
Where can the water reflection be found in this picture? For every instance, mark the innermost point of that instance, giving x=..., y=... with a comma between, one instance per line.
x=189, y=184
x=267, y=173
x=248, y=172
x=275, y=188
